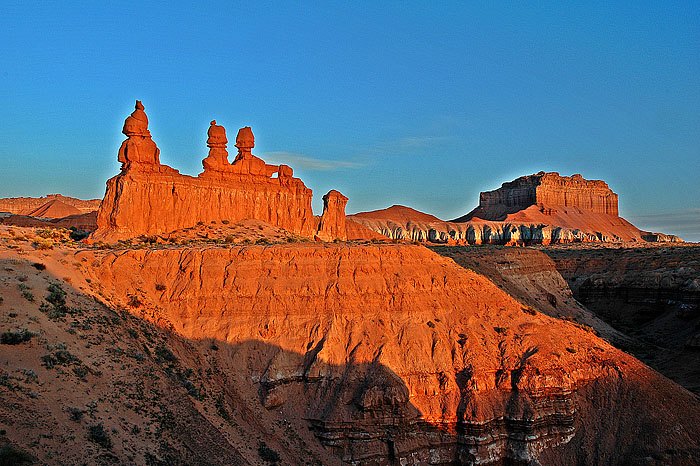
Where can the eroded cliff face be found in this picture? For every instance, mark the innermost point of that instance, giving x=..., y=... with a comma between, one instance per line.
x=150, y=198
x=530, y=226
x=531, y=277
x=545, y=189
x=138, y=203
x=650, y=293
x=396, y=355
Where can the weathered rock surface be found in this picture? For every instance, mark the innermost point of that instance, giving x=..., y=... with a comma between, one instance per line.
x=531, y=277
x=149, y=198
x=55, y=209
x=332, y=224
x=528, y=227
x=395, y=355
x=26, y=205
x=651, y=293
x=547, y=190
x=537, y=209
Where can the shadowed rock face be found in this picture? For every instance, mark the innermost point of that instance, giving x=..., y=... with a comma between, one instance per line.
x=149, y=198
x=652, y=294
x=394, y=354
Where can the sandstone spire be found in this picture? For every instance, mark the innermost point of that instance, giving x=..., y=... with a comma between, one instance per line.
x=218, y=155
x=246, y=162
x=138, y=151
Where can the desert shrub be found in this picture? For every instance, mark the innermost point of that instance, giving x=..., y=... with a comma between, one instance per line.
x=43, y=244
x=160, y=287
x=59, y=358
x=230, y=239
x=225, y=222
x=39, y=266
x=76, y=414
x=28, y=295
x=431, y=324
x=11, y=456
x=268, y=454
x=134, y=301
x=48, y=233
x=56, y=296
x=97, y=434
x=1, y=300
x=81, y=371
x=529, y=310
x=15, y=338
x=165, y=354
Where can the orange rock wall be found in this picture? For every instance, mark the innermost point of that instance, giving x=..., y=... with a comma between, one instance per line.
x=551, y=190
x=138, y=203
x=332, y=225
x=149, y=198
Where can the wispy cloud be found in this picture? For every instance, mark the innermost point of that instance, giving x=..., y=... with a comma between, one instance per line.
x=304, y=162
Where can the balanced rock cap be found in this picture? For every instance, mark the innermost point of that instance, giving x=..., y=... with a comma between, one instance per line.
x=137, y=122
x=245, y=138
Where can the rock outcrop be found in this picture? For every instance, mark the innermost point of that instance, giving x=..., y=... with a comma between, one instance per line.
x=332, y=224
x=26, y=205
x=394, y=355
x=652, y=293
x=55, y=209
x=149, y=198
x=547, y=190
x=537, y=209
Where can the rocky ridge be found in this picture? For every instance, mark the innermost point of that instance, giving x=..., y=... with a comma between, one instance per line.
x=545, y=208
x=27, y=205
x=432, y=363
x=149, y=198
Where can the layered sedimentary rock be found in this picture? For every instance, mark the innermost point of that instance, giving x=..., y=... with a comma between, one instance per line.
x=394, y=355
x=547, y=190
x=332, y=224
x=26, y=205
x=149, y=198
x=528, y=227
x=652, y=293
x=537, y=209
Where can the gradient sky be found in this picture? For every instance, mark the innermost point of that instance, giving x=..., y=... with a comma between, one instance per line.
x=390, y=103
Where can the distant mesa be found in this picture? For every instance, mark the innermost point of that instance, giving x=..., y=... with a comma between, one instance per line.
x=544, y=208
x=53, y=210
x=149, y=198
x=28, y=205
x=547, y=191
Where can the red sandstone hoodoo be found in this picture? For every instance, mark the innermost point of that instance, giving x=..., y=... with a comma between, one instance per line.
x=149, y=198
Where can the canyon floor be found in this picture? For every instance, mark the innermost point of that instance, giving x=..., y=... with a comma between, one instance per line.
x=241, y=344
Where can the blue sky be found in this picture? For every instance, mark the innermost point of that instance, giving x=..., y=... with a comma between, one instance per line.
x=420, y=104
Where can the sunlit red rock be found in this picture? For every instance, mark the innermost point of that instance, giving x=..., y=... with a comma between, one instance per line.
x=149, y=198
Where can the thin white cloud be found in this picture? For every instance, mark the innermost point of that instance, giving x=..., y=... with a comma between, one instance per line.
x=304, y=162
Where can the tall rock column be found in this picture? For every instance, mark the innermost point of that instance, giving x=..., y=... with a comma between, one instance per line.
x=332, y=225
x=217, y=161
